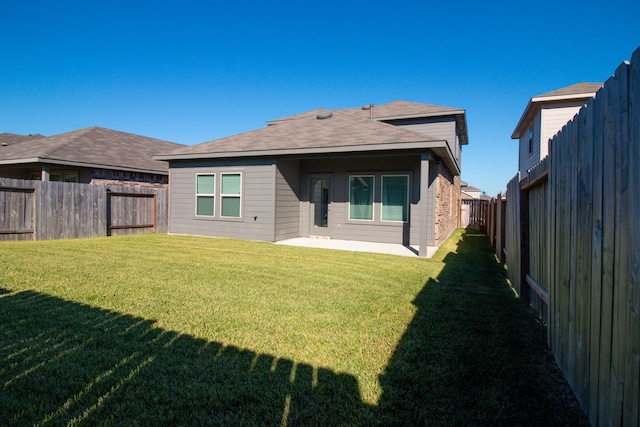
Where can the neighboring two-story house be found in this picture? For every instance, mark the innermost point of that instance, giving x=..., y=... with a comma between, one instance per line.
x=92, y=155
x=545, y=116
x=388, y=173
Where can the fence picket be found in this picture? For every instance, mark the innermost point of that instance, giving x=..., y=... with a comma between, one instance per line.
x=595, y=134
x=632, y=389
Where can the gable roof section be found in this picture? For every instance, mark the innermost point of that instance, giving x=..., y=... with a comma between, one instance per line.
x=309, y=133
x=399, y=110
x=92, y=147
x=579, y=92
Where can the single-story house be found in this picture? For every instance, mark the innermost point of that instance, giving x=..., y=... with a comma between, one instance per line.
x=469, y=192
x=544, y=116
x=93, y=155
x=388, y=173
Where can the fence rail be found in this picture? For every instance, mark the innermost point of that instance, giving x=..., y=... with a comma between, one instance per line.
x=43, y=210
x=572, y=248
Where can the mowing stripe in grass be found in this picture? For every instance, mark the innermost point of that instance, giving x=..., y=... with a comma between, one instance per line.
x=158, y=329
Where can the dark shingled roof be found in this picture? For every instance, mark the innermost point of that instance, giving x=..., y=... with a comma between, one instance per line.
x=305, y=133
x=12, y=138
x=584, y=88
x=391, y=111
x=92, y=147
x=403, y=109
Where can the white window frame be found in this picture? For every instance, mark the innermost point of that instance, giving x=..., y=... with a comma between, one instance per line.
x=373, y=198
x=238, y=196
x=213, y=195
x=407, y=204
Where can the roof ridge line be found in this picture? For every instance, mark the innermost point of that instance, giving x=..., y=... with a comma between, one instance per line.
x=88, y=130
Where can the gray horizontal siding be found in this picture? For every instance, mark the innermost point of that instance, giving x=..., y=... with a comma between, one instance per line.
x=287, y=224
x=441, y=128
x=377, y=231
x=276, y=199
x=528, y=160
x=436, y=127
x=257, y=201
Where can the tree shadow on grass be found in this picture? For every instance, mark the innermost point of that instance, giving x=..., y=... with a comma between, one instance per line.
x=472, y=355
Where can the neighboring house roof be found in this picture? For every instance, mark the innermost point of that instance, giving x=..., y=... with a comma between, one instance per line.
x=318, y=131
x=579, y=92
x=12, y=138
x=91, y=147
x=401, y=110
x=469, y=188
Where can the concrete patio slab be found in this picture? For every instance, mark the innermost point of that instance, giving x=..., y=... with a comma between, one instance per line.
x=355, y=246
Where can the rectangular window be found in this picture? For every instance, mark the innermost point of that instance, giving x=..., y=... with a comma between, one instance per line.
x=205, y=194
x=70, y=177
x=395, y=197
x=361, y=190
x=231, y=194
x=62, y=176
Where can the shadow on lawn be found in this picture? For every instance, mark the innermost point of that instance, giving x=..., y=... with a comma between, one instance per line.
x=474, y=354
x=62, y=361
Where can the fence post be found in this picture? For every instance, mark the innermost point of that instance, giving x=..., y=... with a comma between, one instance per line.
x=500, y=210
x=155, y=211
x=524, y=244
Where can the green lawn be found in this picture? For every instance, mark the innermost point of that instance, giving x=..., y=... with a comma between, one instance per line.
x=159, y=329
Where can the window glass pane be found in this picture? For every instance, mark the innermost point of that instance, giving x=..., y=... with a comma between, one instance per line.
x=361, y=197
x=395, y=200
x=205, y=184
x=71, y=178
x=231, y=183
x=204, y=205
x=231, y=206
x=55, y=177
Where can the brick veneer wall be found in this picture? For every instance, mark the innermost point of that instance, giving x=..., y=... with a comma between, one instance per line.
x=130, y=179
x=447, y=203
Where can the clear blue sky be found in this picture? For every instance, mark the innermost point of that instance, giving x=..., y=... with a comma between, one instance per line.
x=193, y=71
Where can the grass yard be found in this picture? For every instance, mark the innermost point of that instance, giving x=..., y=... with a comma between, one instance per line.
x=157, y=329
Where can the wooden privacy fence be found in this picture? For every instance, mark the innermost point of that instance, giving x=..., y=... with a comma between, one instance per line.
x=43, y=210
x=572, y=246
x=474, y=214
x=488, y=216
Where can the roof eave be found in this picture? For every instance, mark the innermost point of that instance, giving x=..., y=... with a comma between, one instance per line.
x=300, y=151
x=444, y=153
x=81, y=164
x=525, y=118
x=19, y=161
x=417, y=116
x=568, y=97
x=536, y=103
